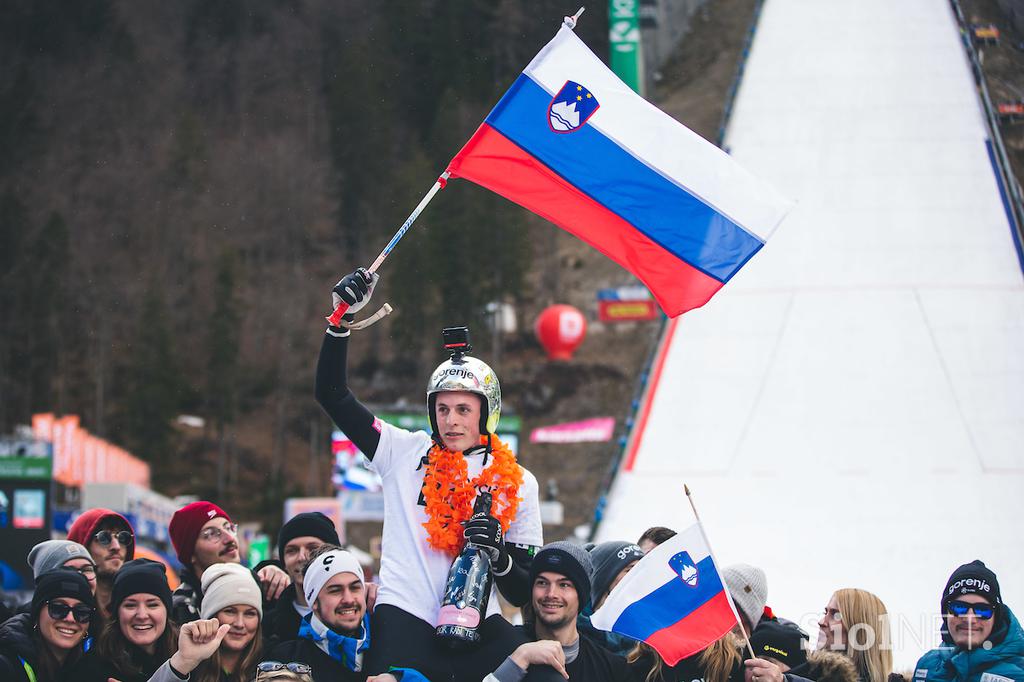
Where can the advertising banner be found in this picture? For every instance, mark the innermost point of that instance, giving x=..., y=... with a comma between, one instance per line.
x=624, y=35
x=328, y=506
x=26, y=465
x=626, y=304
x=598, y=430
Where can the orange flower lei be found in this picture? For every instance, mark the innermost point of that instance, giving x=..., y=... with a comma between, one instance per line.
x=449, y=493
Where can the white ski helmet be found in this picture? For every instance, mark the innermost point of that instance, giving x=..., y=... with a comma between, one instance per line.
x=465, y=373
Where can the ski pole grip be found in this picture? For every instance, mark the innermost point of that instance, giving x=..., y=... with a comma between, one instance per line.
x=335, y=318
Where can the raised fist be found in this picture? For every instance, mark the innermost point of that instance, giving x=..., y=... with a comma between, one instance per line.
x=354, y=290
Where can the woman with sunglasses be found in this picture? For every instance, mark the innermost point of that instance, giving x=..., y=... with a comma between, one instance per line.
x=856, y=623
x=981, y=638
x=138, y=637
x=45, y=643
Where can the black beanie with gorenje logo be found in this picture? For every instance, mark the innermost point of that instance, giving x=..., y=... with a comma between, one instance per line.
x=972, y=578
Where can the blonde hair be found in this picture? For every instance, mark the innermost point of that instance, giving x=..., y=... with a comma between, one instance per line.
x=644, y=650
x=866, y=626
x=210, y=669
x=717, y=661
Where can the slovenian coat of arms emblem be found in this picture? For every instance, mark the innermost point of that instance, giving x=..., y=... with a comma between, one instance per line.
x=684, y=567
x=571, y=107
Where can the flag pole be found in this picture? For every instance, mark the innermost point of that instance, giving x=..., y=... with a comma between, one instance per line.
x=335, y=317
x=732, y=604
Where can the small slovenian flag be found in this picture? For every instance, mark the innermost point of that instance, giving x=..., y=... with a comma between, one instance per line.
x=673, y=599
x=575, y=145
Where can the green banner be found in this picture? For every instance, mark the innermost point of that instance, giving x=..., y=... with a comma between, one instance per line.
x=627, y=59
x=259, y=549
x=26, y=468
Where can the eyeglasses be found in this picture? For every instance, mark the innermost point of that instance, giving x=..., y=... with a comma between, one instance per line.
x=89, y=571
x=981, y=611
x=274, y=666
x=59, y=611
x=833, y=614
x=215, y=533
x=105, y=537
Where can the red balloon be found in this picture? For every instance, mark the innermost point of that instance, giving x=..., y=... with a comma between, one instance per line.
x=560, y=329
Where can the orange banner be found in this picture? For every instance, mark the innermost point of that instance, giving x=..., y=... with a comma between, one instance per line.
x=80, y=457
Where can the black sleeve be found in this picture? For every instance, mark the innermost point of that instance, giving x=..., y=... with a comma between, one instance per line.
x=515, y=585
x=350, y=415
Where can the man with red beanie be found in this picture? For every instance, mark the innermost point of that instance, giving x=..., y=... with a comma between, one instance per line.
x=110, y=540
x=203, y=535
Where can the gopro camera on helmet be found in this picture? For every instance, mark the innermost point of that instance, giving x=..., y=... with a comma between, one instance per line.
x=456, y=341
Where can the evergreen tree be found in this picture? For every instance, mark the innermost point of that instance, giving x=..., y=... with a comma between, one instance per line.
x=50, y=304
x=154, y=385
x=222, y=347
x=222, y=362
x=13, y=227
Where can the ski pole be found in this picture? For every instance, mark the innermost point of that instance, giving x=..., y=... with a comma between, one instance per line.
x=335, y=317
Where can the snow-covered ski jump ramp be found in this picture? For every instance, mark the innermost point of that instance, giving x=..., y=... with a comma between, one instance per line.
x=849, y=411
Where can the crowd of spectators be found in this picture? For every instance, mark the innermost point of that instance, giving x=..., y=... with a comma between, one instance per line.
x=98, y=614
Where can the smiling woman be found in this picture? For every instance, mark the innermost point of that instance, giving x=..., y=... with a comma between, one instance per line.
x=139, y=637
x=232, y=596
x=44, y=644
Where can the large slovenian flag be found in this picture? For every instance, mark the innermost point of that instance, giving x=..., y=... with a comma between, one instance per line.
x=572, y=143
x=673, y=599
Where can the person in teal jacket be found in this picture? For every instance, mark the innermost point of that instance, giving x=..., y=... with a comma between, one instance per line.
x=982, y=639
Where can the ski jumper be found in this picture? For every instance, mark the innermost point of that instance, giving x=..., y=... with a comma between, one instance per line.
x=413, y=574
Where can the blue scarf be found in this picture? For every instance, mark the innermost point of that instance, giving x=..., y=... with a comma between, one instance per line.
x=346, y=650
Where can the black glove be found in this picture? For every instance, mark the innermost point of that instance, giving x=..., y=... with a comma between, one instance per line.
x=355, y=290
x=484, y=531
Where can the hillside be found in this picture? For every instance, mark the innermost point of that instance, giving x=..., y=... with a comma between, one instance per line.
x=181, y=185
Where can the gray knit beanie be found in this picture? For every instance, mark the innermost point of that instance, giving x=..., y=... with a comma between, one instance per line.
x=226, y=585
x=568, y=559
x=610, y=558
x=749, y=589
x=52, y=554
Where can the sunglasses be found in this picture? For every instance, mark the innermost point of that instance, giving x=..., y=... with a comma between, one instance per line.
x=274, y=666
x=105, y=537
x=59, y=611
x=981, y=611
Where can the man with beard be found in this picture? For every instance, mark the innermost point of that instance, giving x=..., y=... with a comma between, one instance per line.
x=203, y=535
x=561, y=581
x=334, y=636
x=111, y=542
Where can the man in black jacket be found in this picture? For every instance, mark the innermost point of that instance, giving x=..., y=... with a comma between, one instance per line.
x=299, y=538
x=335, y=636
x=561, y=579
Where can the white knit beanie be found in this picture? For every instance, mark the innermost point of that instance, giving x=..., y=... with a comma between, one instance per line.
x=325, y=567
x=749, y=589
x=226, y=585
